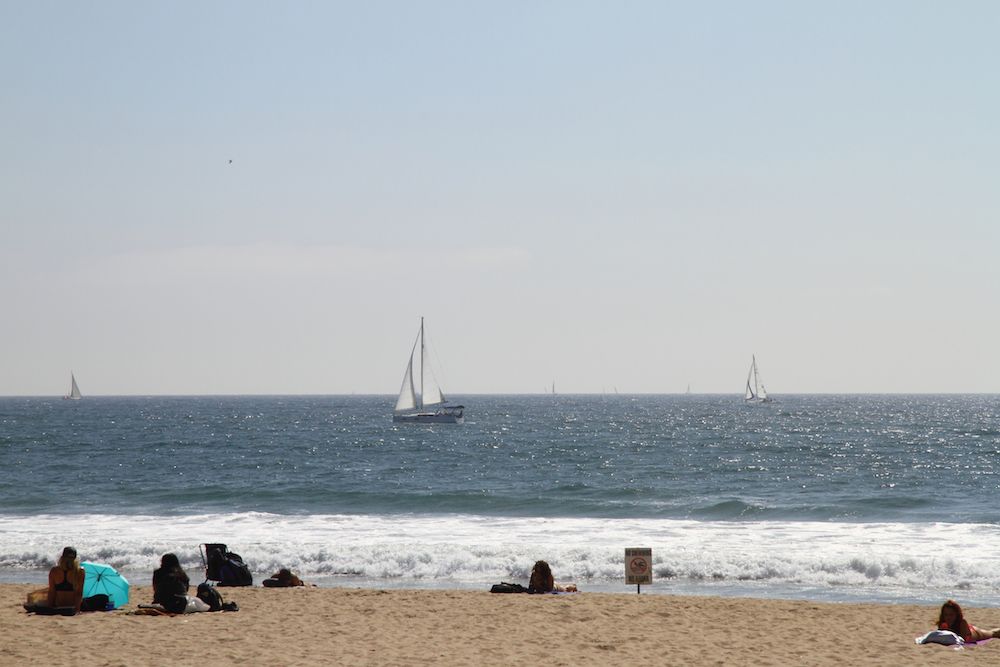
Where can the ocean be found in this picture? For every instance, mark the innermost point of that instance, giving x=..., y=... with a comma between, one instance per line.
x=825, y=497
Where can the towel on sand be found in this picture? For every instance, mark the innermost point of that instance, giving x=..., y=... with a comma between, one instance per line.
x=945, y=637
x=948, y=638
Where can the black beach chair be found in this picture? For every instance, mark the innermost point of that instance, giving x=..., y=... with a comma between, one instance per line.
x=224, y=567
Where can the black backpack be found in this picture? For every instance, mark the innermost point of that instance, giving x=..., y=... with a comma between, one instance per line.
x=235, y=572
x=226, y=567
x=208, y=594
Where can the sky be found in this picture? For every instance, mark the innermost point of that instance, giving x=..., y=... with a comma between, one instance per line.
x=631, y=195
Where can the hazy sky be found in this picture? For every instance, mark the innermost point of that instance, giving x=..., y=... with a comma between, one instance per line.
x=629, y=194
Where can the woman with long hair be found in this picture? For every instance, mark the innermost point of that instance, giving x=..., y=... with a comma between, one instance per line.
x=66, y=581
x=170, y=584
x=951, y=618
x=541, y=578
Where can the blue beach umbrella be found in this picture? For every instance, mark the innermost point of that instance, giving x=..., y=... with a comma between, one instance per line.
x=105, y=579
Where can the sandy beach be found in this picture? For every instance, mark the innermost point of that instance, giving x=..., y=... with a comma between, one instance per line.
x=406, y=627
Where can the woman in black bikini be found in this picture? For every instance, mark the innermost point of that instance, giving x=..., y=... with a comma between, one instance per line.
x=66, y=581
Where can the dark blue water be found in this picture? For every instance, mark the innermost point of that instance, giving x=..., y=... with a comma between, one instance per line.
x=850, y=458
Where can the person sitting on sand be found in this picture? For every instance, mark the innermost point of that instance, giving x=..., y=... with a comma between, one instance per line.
x=170, y=585
x=65, y=590
x=283, y=578
x=951, y=618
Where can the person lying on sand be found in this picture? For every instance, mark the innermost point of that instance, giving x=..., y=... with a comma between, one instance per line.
x=283, y=578
x=951, y=618
x=542, y=581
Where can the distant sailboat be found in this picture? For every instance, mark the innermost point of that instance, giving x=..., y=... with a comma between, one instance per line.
x=688, y=390
x=428, y=406
x=74, y=391
x=755, y=392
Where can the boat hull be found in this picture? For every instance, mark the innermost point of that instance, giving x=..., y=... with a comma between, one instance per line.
x=454, y=415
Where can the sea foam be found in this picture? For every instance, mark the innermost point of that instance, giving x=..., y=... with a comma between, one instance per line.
x=821, y=560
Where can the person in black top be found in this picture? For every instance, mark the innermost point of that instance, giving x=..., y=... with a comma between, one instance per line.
x=66, y=581
x=170, y=584
x=64, y=594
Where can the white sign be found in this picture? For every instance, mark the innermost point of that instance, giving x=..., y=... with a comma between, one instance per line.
x=638, y=566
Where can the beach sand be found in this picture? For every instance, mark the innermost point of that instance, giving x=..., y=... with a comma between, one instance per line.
x=340, y=626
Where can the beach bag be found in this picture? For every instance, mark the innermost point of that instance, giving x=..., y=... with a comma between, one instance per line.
x=234, y=571
x=226, y=567
x=208, y=594
x=99, y=602
x=504, y=587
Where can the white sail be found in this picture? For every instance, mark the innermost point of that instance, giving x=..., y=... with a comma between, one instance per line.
x=758, y=385
x=407, y=396
x=749, y=395
x=432, y=392
x=74, y=390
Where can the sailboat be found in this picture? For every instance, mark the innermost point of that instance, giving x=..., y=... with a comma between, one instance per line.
x=429, y=405
x=755, y=392
x=74, y=391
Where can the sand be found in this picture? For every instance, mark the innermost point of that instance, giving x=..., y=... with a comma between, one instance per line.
x=315, y=626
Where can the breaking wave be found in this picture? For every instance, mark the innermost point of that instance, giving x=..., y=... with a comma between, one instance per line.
x=823, y=560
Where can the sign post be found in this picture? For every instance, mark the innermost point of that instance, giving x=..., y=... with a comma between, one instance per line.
x=638, y=567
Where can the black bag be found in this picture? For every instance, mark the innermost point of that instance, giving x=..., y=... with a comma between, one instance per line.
x=235, y=572
x=208, y=594
x=99, y=602
x=226, y=567
x=504, y=587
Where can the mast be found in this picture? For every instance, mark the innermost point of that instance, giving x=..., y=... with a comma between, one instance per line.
x=422, y=363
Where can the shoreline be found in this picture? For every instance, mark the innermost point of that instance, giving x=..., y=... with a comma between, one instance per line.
x=323, y=625
x=736, y=590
